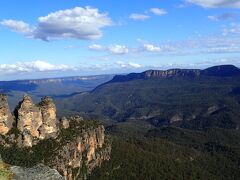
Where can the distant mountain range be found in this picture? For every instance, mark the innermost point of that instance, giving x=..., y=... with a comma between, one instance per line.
x=54, y=87
x=223, y=71
x=185, y=97
x=173, y=124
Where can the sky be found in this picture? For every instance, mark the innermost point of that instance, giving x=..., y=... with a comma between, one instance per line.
x=59, y=38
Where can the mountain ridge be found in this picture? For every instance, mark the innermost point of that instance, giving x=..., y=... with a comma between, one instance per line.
x=221, y=71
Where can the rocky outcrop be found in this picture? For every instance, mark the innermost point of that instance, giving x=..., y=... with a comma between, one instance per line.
x=49, y=119
x=65, y=122
x=36, y=121
x=176, y=118
x=6, y=118
x=74, y=147
x=83, y=153
x=29, y=120
x=38, y=172
x=213, y=109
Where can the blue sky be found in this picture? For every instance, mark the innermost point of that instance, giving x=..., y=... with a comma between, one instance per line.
x=72, y=37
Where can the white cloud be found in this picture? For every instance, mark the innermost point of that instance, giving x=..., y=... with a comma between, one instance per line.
x=118, y=49
x=151, y=48
x=158, y=11
x=17, y=26
x=223, y=17
x=113, y=49
x=216, y=3
x=122, y=64
x=232, y=29
x=77, y=23
x=134, y=65
x=96, y=47
x=139, y=17
x=33, y=66
x=71, y=47
x=217, y=44
x=213, y=18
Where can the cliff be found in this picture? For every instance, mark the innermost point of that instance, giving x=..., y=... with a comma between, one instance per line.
x=33, y=135
x=36, y=122
x=6, y=118
x=86, y=150
x=217, y=71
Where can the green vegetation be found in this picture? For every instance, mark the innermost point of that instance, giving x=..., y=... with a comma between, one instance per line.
x=45, y=150
x=157, y=101
x=174, y=154
x=147, y=144
x=161, y=128
x=5, y=173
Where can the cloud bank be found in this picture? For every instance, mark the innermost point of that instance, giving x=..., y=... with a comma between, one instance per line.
x=216, y=3
x=40, y=66
x=33, y=66
x=77, y=23
x=223, y=17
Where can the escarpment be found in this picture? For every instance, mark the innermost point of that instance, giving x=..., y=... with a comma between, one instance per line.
x=6, y=118
x=33, y=135
x=87, y=149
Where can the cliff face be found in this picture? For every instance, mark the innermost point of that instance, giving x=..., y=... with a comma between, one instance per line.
x=6, y=118
x=84, y=153
x=217, y=71
x=72, y=146
x=36, y=121
x=172, y=73
x=49, y=118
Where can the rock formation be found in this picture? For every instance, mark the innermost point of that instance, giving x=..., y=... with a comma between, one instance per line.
x=49, y=118
x=6, y=119
x=85, y=150
x=36, y=121
x=176, y=118
x=65, y=122
x=38, y=172
x=29, y=120
x=74, y=147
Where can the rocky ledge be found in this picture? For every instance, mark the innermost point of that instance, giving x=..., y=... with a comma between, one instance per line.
x=33, y=135
x=38, y=172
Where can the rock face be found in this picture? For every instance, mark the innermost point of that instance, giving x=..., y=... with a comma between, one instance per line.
x=172, y=73
x=65, y=123
x=176, y=118
x=6, y=119
x=36, y=121
x=29, y=120
x=218, y=71
x=38, y=172
x=49, y=118
x=74, y=148
x=85, y=151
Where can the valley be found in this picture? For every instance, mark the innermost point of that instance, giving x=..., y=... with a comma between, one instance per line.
x=174, y=124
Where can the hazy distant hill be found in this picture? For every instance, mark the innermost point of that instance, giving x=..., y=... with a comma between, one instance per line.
x=54, y=87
